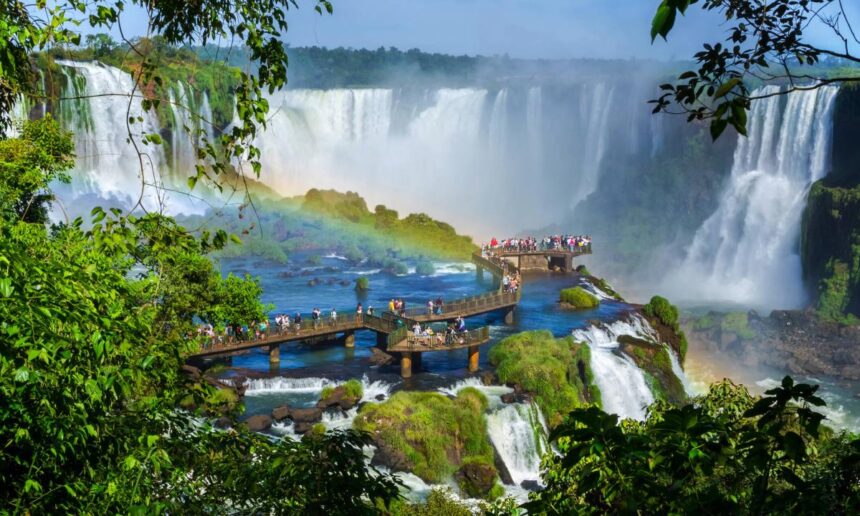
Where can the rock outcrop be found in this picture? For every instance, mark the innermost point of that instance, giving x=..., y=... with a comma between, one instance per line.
x=259, y=423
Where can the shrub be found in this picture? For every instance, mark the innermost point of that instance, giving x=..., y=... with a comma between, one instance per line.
x=425, y=268
x=362, y=283
x=662, y=309
x=579, y=298
x=353, y=389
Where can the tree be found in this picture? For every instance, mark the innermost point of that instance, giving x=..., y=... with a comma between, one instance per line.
x=28, y=164
x=726, y=452
x=766, y=42
x=90, y=360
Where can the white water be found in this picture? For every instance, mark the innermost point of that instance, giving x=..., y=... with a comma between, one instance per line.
x=518, y=432
x=492, y=392
x=747, y=251
x=689, y=388
x=622, y=384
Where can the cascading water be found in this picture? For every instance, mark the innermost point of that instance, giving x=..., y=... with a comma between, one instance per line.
x=622, y=384
x=747, y=251
x=518, y=432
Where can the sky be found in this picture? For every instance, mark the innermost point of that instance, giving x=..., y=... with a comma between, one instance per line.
x=552, y=29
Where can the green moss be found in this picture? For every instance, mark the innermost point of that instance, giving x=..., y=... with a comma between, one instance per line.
x=556, y=371
x=352, y=389
x=582, y=269
x=440, y=502
x=662, y=309
x=704, y=323
x=656, y=365
x=425, y=268
x=496, y=492
x=579, y=298
x=433, y=432
x=362, y=283
x=326, y=392
x=737, y=323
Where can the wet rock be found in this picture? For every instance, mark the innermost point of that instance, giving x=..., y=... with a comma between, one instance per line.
x=286, y=274
x=240, y=383
x=331, y=281
x=476, y=479
x=504, y=473
x=303, y=427
x=307, y=273
x=381, y=397
x=516, y=397
x=379, y=357
x=259, y=423
x=345, y=283
x=337, y=398
x=390, y=457
x=306, y=415
x=530, y=485
x=223, y=422
x=488, y=378
x=281, y=413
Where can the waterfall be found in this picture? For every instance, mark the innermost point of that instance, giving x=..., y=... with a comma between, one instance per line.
x=498, y=130
x=107, y=164
x=622, y=384
x=747, y=250
x=518, y=432
x=595, y=104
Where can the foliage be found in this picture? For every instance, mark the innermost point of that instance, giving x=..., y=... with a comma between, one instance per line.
x=362, y=283
x=654, y=361
x=91, y=346
x=724, y=453
x=440, y=502
x=765, y=42
x=579, y=298
x=704, y=323
x=435, y=433
x=737, y=323
x=556, y=371
x=28, y=164
x=352, y=389
x=661, y=311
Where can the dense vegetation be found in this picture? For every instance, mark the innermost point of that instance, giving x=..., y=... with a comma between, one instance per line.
x=578, y=298
x=556, y=371
x=93, y=330
x=329, y=220
x=726, y=452
x=661, y=313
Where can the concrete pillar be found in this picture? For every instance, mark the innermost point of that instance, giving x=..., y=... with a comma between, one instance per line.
x=568, y=263
x=509, y=316
x=473, y=359
x=274, y=353
x=349, y=339
x=416, y=360
x=406, y=364
x=381, y=340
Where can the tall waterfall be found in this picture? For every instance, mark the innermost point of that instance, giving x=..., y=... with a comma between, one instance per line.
x=518, y=433
x=622, y=384
x=747, y=251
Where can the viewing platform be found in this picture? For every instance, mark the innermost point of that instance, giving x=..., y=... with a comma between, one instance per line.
x=394, y=332
x=543, y=259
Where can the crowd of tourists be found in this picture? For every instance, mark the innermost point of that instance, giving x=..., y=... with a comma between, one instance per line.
x=531, y=244
x=511, y=282
x=454, y=333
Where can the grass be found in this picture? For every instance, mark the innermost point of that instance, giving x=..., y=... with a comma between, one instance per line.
x=556, y=371
x=579, y=298
x=352, y=390
x=435, y=433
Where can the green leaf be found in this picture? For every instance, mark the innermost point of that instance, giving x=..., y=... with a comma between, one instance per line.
x=192, y=182
x=663, y=21
x=726, y=87
x=6, y=287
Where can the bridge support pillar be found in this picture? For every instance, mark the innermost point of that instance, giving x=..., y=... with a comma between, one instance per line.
x=406, y=364
x=381, y=340
x=568, y=263
x=349, y=339
x=274, y=354
x=416, y=360
x=509, y=316
x=473, y=359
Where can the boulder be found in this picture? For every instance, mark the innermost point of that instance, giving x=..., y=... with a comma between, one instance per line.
x=286, y=274
x=223, y=422
x=337, y=398
x=259, y=423
x=390, y=457
x=302, y=427
x=379, y=357
x=530, y=485
x=476, y=479
x=381, y=397
x=488, y=378
x=504, y=472
x=305, y=415
x=516, y=397
x=281, y=413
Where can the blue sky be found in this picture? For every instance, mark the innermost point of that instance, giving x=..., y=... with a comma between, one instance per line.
x=520, y=28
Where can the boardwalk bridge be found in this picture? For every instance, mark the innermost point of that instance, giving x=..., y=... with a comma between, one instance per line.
x=394, y=331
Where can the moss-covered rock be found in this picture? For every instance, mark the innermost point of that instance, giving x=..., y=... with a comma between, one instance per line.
x=653, y=359
x=428, y=433
x=556, y=371
x=663, y=316
x=737, y=323
x=578, y=298
x=362, y=284
x=344, y=396
x=425, y=268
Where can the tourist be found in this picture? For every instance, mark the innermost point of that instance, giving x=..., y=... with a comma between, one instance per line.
x=358, y=312
x=370, y=310
x=333, y=316
x=430, y=307
x=391, y=306
x=298, y=322
x=438, y=305
x=315, y=315
x=416, y=329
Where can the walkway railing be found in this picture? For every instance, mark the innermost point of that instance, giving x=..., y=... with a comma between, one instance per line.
x=517, y=251
x=308, y=329
x=442, y=341
x=481, y=302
